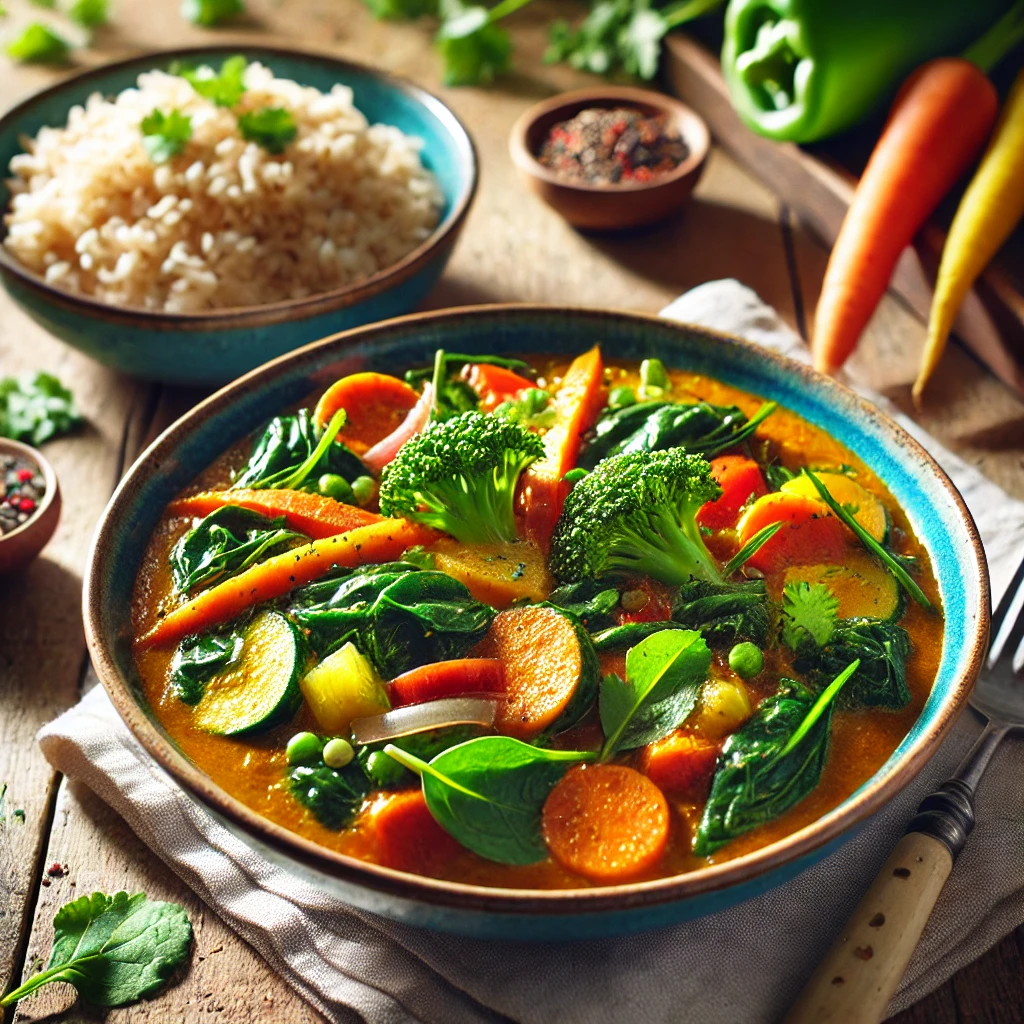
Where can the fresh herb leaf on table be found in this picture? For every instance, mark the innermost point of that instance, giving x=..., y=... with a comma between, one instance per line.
x=771, y=763
x=39, y=45
x=89, y=13
x=225, y=543
x=270, y=127
x=488, y=793
x=35, y=408
x=113, y=949
x=211, y=12
x=224, y=88
x=664, y=674
x=165, y=135
x=475, y=50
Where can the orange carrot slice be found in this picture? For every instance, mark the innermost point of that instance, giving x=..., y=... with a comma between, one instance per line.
x=407, y=836
x=493, y=384
x=810, y=534
x=740, y=478
x=312, y=514
x=447, y=679
x=376, y=404
x=577, y=404
x=377, y=542
x=606, y=822
x=681, y=764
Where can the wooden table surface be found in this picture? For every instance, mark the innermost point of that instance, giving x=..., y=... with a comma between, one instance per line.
x=513, y=249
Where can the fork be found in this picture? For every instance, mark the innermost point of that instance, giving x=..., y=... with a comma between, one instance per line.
x=862, y=970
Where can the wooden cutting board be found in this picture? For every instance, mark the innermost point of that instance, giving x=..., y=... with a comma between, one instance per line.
x=819, y=185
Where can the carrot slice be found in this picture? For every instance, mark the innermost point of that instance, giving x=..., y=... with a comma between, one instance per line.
x=681, y=764
x=497, y=574
x=606, y=822
x=312, y=514
x=577, y=404
x=407, y=836
x=376, y=404
x=544, y=667
x=377, y=542
x=810, y=534
x=740, y=479
x=493, y=384
x=447, y=679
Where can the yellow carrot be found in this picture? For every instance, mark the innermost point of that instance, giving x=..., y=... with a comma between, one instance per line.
x=988, y=213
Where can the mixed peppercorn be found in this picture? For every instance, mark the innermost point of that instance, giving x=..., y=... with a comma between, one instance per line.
x=22, y=489
x=611, y=147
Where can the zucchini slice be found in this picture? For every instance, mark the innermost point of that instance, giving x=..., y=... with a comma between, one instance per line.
x=865, y=588
x=262, y=688
x=865, y=507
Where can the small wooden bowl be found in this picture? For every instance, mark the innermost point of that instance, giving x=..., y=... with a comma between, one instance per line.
x=609, y=207
x=21, y=545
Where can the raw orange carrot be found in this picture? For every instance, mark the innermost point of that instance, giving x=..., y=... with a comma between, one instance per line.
x=740, y=479
x=407, y=836
x=312, y=514
x=811, y=533
x=606, y=822
x=377, y=542
x=493, y=384
x=681, y=764
x=447, y=679
x=545, y=667
x=376, y=404
x=939, y=122
x=577, y=404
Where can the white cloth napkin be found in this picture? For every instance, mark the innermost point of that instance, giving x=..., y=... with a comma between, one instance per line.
x=742, y=965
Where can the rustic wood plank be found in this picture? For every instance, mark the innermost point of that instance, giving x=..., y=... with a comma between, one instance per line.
x=991, y=990
x=937, y=1008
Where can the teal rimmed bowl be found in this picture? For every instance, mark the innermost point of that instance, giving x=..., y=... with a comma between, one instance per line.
x=209, y=349
x=935, y=509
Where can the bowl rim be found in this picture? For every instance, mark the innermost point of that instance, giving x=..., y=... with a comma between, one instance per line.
x=446, y=232
x=693, y=127
x=520, y=902
x=10, y=446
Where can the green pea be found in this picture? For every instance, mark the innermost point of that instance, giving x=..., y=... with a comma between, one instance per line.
x=337, y=487
x=385, y=771
x=576, y=475
x=746, y=660
x=338, y=753
x=304, y=748
x=620, y=397
x=363, y=489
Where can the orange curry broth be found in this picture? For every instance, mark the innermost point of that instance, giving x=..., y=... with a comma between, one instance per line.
x=253, y=769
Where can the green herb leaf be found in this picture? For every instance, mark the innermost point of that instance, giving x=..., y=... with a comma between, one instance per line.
x=809, y=615
x=475, y=50
x=334, y=795
x=211, y=12
x=639, y=41
x=39, y=45
x=270, y=127
x=165, y=135
x=199, y=658
x=225, y=88
x=488, y=793
x=401, y=10
x=113, y=949
x=90, y=13
x=35, y=408
x=664, y=674
x=591, y=602
x=751, y=548
x=891, y=562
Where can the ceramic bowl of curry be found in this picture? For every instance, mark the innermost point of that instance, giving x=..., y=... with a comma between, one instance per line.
x=816, y=419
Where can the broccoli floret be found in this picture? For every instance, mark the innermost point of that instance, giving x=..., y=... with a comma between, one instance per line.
x=460, y=476
x=635, y=514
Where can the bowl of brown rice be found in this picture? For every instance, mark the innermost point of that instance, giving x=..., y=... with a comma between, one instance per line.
x=186, y=216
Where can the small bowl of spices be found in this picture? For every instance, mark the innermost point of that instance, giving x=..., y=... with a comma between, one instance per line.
x=611, y=158
x=29, y=504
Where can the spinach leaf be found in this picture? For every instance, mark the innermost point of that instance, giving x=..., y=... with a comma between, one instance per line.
x=881, y=647
x=725, y=613
x=629, y=633
x=35, y=408
x=113, y=949
x=488, y=793
x=387, y=773
x=334, y=795
x=286, y=446
x=697, y=427
x=771, y=763
x=228, y=541
x=664, y=674
x=593, y=603
x=199, y=658
x=399, y=617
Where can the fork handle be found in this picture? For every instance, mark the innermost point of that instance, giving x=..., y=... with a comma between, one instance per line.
x=862, y=970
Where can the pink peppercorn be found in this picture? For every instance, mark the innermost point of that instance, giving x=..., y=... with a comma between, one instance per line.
x=24, y=475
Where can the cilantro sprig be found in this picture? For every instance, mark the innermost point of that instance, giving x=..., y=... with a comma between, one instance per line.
x=165, y=135
x=224, y=88
x=211, y=12
x=809, y=614
x=39, y=44
x=270, y=127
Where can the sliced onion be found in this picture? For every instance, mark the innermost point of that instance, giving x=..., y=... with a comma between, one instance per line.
x=433, y=714
x=377, y=457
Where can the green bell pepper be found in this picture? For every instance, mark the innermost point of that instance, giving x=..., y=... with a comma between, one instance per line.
x=801, y=70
